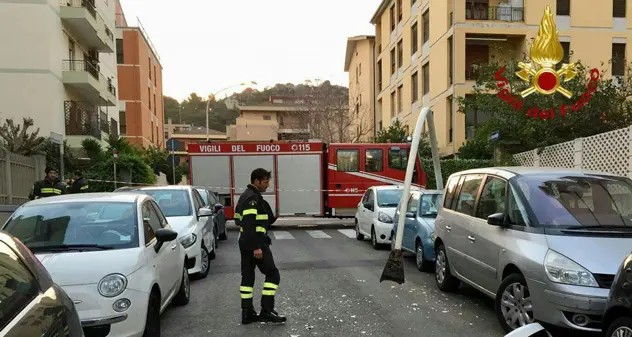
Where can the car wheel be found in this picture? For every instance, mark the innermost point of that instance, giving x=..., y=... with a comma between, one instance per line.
x=621, y=326
x=444, y=279
x=205, y=263
x=420, y=260
x=359, y=236
x=184, y=293
x=374, y=243
x=513, y=303
x=152, y=323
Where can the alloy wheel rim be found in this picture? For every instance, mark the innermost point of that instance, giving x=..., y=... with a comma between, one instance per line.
x=374, y=239
x=204, y=260
x=420, y=256
x=622, y=331
x=515, y=306
x=440, y=267
x=187, y=288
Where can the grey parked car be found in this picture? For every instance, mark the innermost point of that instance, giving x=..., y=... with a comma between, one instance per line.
x=30, y=303
x=544, y=243
x=212, y=201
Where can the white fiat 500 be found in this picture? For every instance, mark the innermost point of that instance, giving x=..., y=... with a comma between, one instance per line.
x=187, y=214
x=114, y=254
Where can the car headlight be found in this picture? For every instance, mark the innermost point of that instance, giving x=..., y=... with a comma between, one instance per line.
x=188, y=240
x=561, y=269
x=112, y=285
x=383, y=217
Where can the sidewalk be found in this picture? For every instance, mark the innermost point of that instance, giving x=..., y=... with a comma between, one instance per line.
x=298, y=223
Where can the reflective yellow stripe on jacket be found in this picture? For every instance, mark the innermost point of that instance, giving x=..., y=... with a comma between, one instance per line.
x=85, y=187
x=50, y=190
x=258, y=217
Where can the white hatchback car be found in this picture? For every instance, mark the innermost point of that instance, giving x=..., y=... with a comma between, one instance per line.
x=115, y=256
x=374, y=217
x=184, y=208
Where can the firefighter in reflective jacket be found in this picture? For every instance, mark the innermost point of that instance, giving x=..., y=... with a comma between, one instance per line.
x=78, y=184
x=47, y=187
x=254, y=215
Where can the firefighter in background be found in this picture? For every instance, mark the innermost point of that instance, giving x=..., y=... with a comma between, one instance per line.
x=78, y=184
x=254, y=215
x=47, y=187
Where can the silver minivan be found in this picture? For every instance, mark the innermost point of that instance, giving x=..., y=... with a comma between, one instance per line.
x=544, y=243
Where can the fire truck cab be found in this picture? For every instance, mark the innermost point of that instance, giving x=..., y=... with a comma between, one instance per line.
x=308, y=178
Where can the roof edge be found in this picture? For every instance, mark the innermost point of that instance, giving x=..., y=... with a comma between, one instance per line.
x=351, y=44
x=380, y=10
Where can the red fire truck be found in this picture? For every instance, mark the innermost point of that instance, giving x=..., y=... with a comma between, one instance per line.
x=308, y=178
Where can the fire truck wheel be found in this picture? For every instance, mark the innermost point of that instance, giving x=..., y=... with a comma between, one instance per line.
x=359, y=236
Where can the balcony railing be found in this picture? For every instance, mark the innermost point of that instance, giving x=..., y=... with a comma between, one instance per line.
x=82, y=119
x=111, y=87
x=88, y=66
x=89, y=6
x=480, y=11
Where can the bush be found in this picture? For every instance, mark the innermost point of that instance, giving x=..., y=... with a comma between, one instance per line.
x=450, y=166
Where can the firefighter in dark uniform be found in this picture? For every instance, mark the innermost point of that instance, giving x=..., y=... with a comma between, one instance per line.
x=47, y=187
x=254, y=215
x=78, y=184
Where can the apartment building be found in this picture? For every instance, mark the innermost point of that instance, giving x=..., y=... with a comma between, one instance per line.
x=58, y=67
x=277, y=119
x=427, y=51
x=140, y=84
x=187, y=134
x=360, y=64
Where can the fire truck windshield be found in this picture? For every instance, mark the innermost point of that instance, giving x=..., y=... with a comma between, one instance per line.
x=389, y=198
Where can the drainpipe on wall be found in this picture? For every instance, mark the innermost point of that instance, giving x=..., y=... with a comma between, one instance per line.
x=454, y=112
x=373, y=95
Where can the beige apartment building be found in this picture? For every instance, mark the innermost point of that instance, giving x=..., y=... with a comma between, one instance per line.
x=360, y=64
x=426, y=51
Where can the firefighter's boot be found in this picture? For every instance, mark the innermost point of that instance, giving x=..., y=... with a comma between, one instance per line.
x=248, y=316
x=271, y=316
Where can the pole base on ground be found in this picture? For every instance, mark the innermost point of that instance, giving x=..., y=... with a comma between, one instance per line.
x=394, y=269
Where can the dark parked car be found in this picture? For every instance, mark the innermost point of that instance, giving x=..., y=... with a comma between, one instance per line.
x=212, y=201
x=30, y=303
x=617, y=320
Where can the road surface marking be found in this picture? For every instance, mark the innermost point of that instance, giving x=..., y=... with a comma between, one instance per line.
x=316, y=234
x=348, y=232
x=282, y=235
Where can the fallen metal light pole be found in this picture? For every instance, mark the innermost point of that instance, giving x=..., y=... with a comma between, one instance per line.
x=394, y=269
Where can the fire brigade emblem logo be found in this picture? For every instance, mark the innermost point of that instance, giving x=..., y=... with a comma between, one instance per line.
x=546, y=52
x=253, y=203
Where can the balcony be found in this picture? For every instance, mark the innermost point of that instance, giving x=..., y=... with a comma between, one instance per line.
x=84, y=76
x=82, y=119
x=483, y=11
x=480, y=49
x=85, y=23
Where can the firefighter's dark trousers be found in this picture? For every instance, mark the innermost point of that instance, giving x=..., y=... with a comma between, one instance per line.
x=268, y=268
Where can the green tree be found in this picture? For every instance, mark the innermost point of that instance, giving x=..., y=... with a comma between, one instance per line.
x=395, y=133
x=172, y=109
x=608, y=108
x=17, y=138
x=477, y=148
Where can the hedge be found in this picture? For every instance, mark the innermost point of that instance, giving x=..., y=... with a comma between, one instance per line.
x=449, y=166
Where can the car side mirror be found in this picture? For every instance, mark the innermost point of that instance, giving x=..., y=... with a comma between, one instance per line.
x=410, y=215
x=368, y=205
x=164, y=235
x=496, y=219
x=218, y=207
x=205, y=211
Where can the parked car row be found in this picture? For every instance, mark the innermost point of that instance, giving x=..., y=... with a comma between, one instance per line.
x=545, y=244
x=117, y=260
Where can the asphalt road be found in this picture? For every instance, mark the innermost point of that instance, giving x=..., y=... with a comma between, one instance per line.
x=330, y=287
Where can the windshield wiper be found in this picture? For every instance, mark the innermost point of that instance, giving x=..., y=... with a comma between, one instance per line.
x=70, y=247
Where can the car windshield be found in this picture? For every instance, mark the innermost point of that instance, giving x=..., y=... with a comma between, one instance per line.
x=76, y=225
x=204, y=196
x=389, y=198
x=172, y=202
x=429, y=205
x=578, y=201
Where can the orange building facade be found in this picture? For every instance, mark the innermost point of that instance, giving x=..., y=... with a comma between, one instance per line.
x=140, y=85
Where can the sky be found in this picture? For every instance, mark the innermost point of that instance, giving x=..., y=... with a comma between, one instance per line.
x=208, y=45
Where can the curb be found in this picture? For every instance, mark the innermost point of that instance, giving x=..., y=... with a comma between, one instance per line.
x=301, y=227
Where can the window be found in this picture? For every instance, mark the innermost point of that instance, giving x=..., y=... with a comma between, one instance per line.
x=492, y=199
x=371, y=198
x=171, y=202
x=149, y=97
x=429, y=205
x=467, y=195
x=516, y=212
x=161, y=217
x=389, y=198
x=120, y=59
x=400, y=54
x=399, y=11
x=19, y=287
x=398, y=159
x=618, y=8
x=567, y=52
x=392, y=16
x=450, y=191
x=400, y=99
x=414, y=92
x=365, y=197
x=450, y=118
x=151, y=222
x=379, y=74
x=348, y=160
x=413, y=202
x=472, y=120
x=123, y=123
x=374, y=161
x=71, y=50
x=414, y=33
x=425, y=21
x=393, y=61
x=450, y=61
x=359, y=69
x=563, y=7
x=267, y=117
x=393, y=105
x=618, y=59
x=425, y=71
x=197, y=200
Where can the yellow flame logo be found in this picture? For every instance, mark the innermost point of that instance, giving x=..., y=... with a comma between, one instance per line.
x=546, y=53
